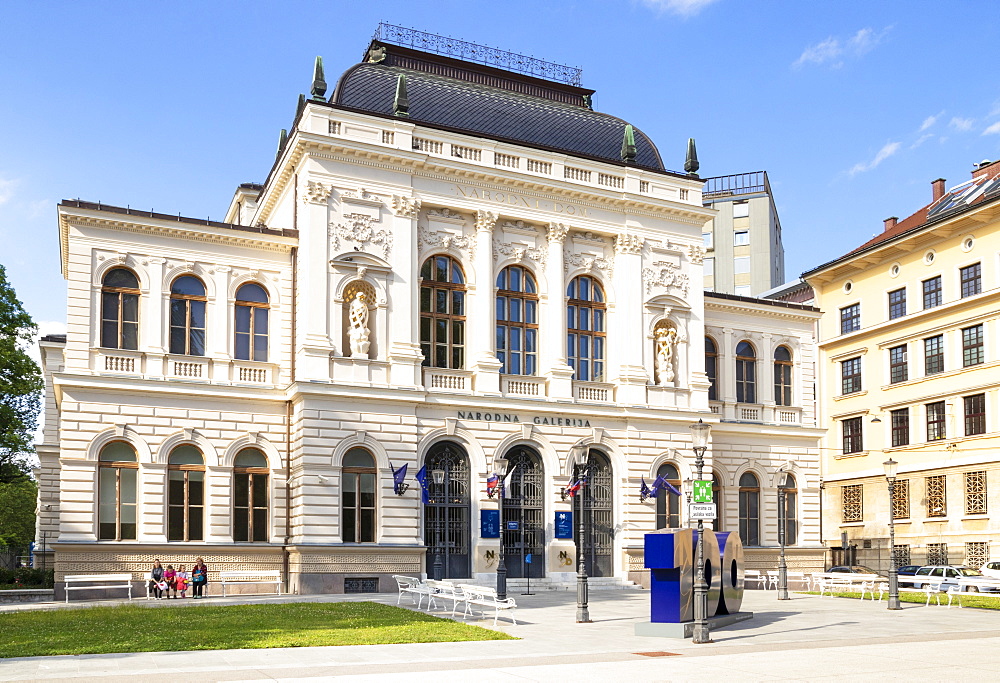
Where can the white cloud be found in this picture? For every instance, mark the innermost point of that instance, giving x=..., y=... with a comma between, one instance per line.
x=961, y=124
x=684, y=8
x=6, y=190
x=930, y=121
x=833, y=50
x=993, y=129
x=921, y=140
x=887, y=151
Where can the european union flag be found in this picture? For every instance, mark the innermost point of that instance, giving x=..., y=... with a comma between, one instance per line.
x=421, y=476
x=398, y=479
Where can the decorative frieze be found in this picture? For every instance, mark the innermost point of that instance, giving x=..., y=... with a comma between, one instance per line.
x=359, y=229
x=663, y=275
x=587, y=262
x=518, y=251
x=440, y=239
x=446, y=213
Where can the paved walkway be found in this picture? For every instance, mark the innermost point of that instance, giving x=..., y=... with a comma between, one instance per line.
x=804, y=639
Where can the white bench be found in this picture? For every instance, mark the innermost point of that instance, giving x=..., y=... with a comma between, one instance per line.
x=104, y=581
x=446, y=590
x=415, y=588
x=755, y=576
x=487, y=599
x=971, y=588
x=235, y=577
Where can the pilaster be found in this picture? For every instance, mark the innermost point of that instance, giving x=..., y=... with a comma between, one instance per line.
x=314, y=343
x=403, y=326
x=625, y=344
x=152, y=337
x=553, y=339
x=485, y=363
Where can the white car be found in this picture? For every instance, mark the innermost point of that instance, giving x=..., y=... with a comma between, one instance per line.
x=951, y=574
x=991, y=569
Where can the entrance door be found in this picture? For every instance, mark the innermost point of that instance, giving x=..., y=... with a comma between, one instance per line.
x=523, y=526
x=598, y=516
x=446, y=516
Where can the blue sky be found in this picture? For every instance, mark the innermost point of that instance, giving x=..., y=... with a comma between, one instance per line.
x=852, y=108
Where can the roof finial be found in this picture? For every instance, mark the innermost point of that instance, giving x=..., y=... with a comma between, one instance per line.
x=401, y=105
x=691, y=164
x=628, y=145
x=300, y=106
x=319, y=82
x=282, y=141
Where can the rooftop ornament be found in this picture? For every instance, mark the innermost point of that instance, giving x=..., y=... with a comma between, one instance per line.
x=319, y=82
x=401, y=105
x=691, y=164
x=628, y=145
x=470, y=52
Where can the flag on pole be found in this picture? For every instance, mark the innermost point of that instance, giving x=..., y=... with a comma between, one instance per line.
x=421, y=476
x=670, y=488
x=644, y=490
x=398, y=478
x=492, y=482
x=506, y=482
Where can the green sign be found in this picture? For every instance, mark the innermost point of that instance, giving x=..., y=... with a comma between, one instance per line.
x=702, y=491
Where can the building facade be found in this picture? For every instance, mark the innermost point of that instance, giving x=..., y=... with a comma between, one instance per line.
x=743, y=249
x=908, y=361
x=448, y=262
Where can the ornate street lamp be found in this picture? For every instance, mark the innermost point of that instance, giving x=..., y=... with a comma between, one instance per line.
x=579, y=455
x=784, y=484
x=500, y=464
x=891, y=466
x=438, y=477
x=699, y=444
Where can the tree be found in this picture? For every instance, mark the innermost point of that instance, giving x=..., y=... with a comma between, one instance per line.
x=17, y=525
x=20, y=384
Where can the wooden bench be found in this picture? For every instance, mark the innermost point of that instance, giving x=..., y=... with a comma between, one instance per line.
x=104, y=581
x=486, y=598
x=415, y=588
x=235, y=577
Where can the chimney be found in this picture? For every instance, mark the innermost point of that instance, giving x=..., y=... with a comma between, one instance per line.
x=986, y=168
x=937, y=189
x=890, y=223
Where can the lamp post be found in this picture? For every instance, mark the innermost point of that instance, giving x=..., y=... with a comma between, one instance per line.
x=500, y=465
x=582, y=588
x=437, y=475
x=699, y=444
x=891, y=466
x=782, y=524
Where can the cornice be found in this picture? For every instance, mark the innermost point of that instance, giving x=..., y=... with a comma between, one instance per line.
x=725, y=305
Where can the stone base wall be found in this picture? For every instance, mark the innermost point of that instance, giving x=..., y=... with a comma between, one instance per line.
x=324, y=569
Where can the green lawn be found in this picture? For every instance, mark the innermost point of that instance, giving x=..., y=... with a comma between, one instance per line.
x=981, y=601
x=129, y=628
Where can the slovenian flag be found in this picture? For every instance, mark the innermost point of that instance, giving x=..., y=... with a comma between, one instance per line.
x=573, y=488
x=506, y=482
x=421, y=476
x=492, y=482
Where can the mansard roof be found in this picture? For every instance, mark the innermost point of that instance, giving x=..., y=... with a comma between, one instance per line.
x=550, y=117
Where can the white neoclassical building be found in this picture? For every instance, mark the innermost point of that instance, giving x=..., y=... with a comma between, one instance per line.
x=448, y=262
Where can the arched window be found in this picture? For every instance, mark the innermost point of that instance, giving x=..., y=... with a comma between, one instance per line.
x=186, y=494
x=357, y=497
x=782, y=376
x=749, y=509
x=791, y=505
x=517, y=321
x=250, y=496
x=442, y=313
x=187, y=316
x=116, y=492
x=712, y=368
x=585, y=329
x=746, y=373
x=251, y=322
x=120, y=310
x=668, y=506
x=717, y=499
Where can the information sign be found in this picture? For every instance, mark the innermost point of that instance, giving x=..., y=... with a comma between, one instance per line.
x=701, y=491
x=564, y=524
x=489, y=523
x=512, y=525
x=701, y=511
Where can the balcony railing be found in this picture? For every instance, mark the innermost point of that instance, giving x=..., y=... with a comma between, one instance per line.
x=441, y=379
x=734, y=185
x=594, y=392
x=523, y=385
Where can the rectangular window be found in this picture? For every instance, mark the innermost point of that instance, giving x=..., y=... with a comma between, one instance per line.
x=897, y=304
x=709, y=267
x=932, y=292
x=972, y=280
x=898, y=369
x=936, y=498
x=741, y=238
x=706, y=237
x=901, y=499
x=852, y=435
x=852, y=510
x=900, y=427
x=741, y=264
x=975, y=414
x=937, y=553
x=935, y=421
x=850, y=375
x=850, y=318
x=977, y=553
x=901, y=554
x=743, y=290
x=934, y=355
x=972, y=346
x=741, y=209
x=975, y=493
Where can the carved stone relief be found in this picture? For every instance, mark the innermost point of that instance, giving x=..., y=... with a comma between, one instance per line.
x=485, y=220
x=446, y=240
x=359, y=229
x=588, y=262
x=317, y=193
x=406, y=207
x=518, y=251
x=629, y=244
x=664, y=274
x=445, y=212
x=557, y=232
x=696, y=253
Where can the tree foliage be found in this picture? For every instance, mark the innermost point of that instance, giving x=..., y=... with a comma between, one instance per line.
x=20, y=383
x=17, y=524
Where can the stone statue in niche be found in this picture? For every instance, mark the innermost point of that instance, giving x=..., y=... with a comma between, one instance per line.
x=666, y=339
x=358, y=333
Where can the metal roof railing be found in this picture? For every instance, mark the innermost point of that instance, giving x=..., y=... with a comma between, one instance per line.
x=470, y=52
x=737, y=184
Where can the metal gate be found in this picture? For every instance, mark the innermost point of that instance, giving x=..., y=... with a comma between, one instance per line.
x=598, y=516
x=523, y=526
x=446, y=516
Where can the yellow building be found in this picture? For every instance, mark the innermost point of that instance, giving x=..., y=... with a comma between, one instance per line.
x=910, y=370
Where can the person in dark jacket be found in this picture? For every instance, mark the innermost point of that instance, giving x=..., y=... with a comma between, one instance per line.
x=199, y=578
x=156, y=580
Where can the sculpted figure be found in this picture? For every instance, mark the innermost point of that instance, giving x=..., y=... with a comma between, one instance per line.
x=359, y=326
x=666, y=342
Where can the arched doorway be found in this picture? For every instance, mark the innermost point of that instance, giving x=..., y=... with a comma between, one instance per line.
x=523, y=523
x=446, y=516
x=598, y=516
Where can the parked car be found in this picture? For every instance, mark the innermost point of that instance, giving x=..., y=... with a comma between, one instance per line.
x=951, y=573
x=991, y=569
x=853, y=569
x=908, y=570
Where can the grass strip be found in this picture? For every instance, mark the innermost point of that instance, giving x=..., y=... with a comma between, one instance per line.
x=980, y=601
x=130, y=628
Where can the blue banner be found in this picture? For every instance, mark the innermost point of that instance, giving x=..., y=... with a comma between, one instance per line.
x=489, y=524
x=564, y=525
